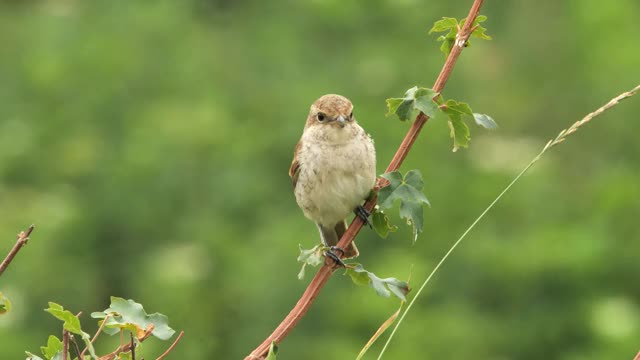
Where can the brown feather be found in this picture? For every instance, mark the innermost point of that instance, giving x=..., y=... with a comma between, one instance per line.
x=294, y=169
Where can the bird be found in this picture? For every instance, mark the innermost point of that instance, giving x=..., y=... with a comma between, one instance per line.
x=333, y=170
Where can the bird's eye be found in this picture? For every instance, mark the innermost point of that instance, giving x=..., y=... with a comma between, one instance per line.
x=321, y=116
x=351, y=115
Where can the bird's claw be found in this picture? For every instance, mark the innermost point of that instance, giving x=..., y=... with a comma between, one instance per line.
x=331, y=253
x=364, y=215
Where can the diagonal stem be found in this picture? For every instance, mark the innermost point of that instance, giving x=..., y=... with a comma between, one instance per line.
x=23, y=238
x=323, y=275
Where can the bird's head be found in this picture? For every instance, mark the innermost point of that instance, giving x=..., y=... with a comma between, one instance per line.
x=331, y=110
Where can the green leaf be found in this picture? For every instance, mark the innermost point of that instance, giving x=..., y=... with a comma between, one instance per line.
x=381, y=223
x=485, y=121
x=424, y=101
x=358, y=275
x=124, y=356
x=459, y=130
x=383, y=287
x=420, y=99
x=444, y=24
x=54, y=347
x=312, y=257
x=5, y=304
x=273, y=350
x=71, y=324
x=31, y=356
x=459, y=133
x=413, y=213
x=129, y=315
x=479, y=32
x=455, y=107
x=407, y=190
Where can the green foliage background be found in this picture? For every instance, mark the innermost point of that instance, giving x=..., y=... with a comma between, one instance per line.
x=150, y=140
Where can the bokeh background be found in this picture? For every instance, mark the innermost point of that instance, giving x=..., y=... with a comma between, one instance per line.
x=149, y=141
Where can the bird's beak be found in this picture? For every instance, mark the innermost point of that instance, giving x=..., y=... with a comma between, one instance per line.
x=341, y=120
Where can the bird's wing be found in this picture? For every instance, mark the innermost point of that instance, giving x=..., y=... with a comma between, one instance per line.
x=294, y=170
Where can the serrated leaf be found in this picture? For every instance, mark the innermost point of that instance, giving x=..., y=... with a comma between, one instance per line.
x=383, y=287
x=381, y=223
x=414, y=216
x=273, y=351
x=416, y=98
x=459, y=133
x=54, y=346
x=448, y=40
x=130, y=315
x=358, y=275
x=424, y=101
x=408, y=191
x=444, y=24
x=479, y=32
x=485, y=121
x=71, y=324
x=312, y=257
x=457, y=107
x=5, y=304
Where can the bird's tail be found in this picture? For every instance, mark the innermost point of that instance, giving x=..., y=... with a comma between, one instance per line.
x=331, y=236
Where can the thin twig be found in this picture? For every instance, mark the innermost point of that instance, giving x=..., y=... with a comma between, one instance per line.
x=65, y=345
x=323, y=275
x=75, y=346
x=171, y=347
x=126, y=347
x=133, y=348
x=104, y=321
x=23, y=238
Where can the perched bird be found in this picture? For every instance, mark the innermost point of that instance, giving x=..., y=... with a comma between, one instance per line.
x=333, y=169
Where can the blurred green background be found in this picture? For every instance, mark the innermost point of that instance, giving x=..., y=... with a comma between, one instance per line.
x=149, y=141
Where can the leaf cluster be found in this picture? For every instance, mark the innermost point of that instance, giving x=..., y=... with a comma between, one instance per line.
x=452, y=27
x=121, y=316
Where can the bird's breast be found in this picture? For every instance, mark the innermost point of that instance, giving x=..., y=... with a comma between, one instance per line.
x=334, y=178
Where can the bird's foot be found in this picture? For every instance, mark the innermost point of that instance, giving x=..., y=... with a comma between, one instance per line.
x=331, y=254
x=364, y=215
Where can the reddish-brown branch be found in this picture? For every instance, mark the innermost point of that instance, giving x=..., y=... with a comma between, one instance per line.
x=325, y=272
x=65, y=344
x=172, y=346
x=126, y=347
x=23, y=238
x=637, y=356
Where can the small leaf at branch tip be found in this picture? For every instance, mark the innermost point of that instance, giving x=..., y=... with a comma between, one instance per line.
x=446, y=23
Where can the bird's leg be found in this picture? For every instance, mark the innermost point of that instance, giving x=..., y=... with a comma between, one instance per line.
x=331, y=253
x=364, y=215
